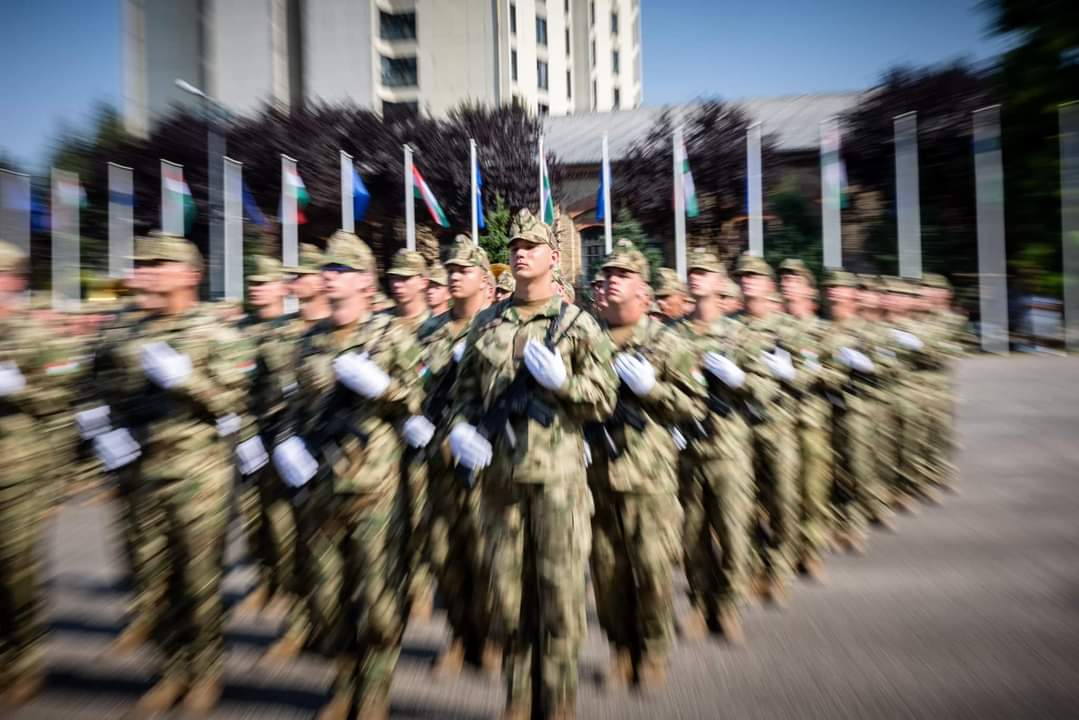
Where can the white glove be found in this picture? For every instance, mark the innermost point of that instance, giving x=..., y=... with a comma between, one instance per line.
x=587, y=455
x=11, y=380
x=294, y=463
x=228, y=425
x=723, y=368
x=361, y=375
x=251, y=455
x=545, y=365
x=458, y=351
x=779, y=364
x=636, y=372
x=418, y=431
x=470, y=448
x=679, y=438
x=907, y=340
x=164, y=366
x=116, y=448
x=855, y=360
x=93, y=422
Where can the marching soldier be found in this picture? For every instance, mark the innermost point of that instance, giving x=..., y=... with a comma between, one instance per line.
x=950, y=330
x=408, y=285
x=535, y=370
x=438, y=291
x=306, y=285
x=505, y=286
x=670, y=294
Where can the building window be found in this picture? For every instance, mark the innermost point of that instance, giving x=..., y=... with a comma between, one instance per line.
x=397, y=27
x=544, y=109
x=569, y=85
x=592, y=55
x=541, y=74
x=592, y=12
x=399, y=72
x=393, y=111
x=614, y=23
x=592, y=245
x=513, y=18
x=541, y=31
x=614, y=62
x=567, y=42
x=617, y=98
x=513, y=65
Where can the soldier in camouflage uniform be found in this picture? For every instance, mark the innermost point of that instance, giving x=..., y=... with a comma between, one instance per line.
x=505, y=286
x=950, y=330
x=438, y=291
x=636, y=532
x=534, y=371
x=716, y=471
x=670, y=294
x=771, y=381
x=804, y=333
x=184, y=376
x=358, y=385
x=599, y=301
x=306, y=285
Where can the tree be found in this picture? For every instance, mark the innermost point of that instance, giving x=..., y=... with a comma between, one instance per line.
x=798, y=232
x=626, y=227
x=495, y=238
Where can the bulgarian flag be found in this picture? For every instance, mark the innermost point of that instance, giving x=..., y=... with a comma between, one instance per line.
x=179, y=194
x=689, y=190
x=546, y=201
x=299, y=190
x=422, y=191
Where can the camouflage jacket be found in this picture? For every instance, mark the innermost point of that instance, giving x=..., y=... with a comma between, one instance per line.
x=493, y=359
x=275, y=343
x=437, y=338
x=644, y=459
x=768, y=394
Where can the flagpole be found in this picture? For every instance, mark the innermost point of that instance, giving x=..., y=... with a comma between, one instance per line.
x=289, y=233
x=754, y=190
x=831, y=222
x=121, y=228
x=410, y=203
x=348, y=220
x=475, y=191
x=608, y=243
x=233, y=260
x=542, y=200
x=679, y=207
x=66, y=198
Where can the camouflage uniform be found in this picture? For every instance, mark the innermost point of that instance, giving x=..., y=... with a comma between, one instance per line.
x=949, y=330
x=535, y=505
x=636, y=532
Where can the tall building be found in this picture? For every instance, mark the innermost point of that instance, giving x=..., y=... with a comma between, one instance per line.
x=553, y=56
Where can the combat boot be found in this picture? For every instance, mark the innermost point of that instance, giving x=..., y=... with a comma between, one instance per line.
x=651, y=675
x=491, y=660
x=450, y=662
x=775, y=592
x=335, y=709
x=518, y=710
x=159, y=699
x=620, y=672
x=23, y=690
x=203, y=696
x=813, y=569
x=730, y=624
x=695, y=626
x=884, y=521
x=284, y=650
x=131, y=639
x=374, y=708
x=564, y=711
x=255, y=601
x=423, y=607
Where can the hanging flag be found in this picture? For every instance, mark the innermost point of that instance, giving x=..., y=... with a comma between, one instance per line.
x=479, y=198
x=71, y=193
x=181, y=194
x=40, y=220
x=251, y=208
x=360, y=197
x=601, y=210
x=420, y=190
x=300, y=190
x=546, y=201
x=842, y=184
x=689, y=191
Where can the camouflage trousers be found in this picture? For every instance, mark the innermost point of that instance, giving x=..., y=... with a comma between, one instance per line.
x=857, y=495
x=716, y=493
x=775, y=469
x=635, y=542
x=183, y=525
x=940, y=406
x=538, y=540
x=815, y=478
x=913, y=470
x=22, y=631
x=269, y=530
x=132, y=497
x=414, y=473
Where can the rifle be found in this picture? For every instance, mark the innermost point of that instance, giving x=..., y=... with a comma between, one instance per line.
x=627, y=411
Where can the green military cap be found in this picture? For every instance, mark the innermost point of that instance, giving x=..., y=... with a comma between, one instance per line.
x=438, y=275
x=868, y=282
x=568, y=292
x=730, y=289
x=165, y=247
x=626, y=256
x=668, y=283
x=407, y=263
x=143, y=250
x=466, y=253
x=267, y=269
x=797, y=267
x=12, y=259
x=311, y=261
x=598, y=278
x=905, y=286
x=752, y=265
x=701, y=259
x=840, y=278
x=346, y=248
x=506, y=281
x=934, y=280
x=530, y=228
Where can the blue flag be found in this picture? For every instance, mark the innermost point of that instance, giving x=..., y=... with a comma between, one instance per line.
x=601, y=211
x=360, y=197
x=251, y=208
x=39, y=216
x=480, y=221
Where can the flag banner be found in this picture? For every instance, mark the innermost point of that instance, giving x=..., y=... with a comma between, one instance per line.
x=290, y=247
x=67, y=199
x=479, y=198
x=177, y=205
x=754, y=190
x=251, y=209
x=361, y=198
x=601, y=210
x=16, y=209
x=348, y=201
x=121, y=222
x=989, y=201
x=232, y=263
x=1069, y=219
x=546, y=200
x=422, y=191
x=298, y=192
x=689, y=190
x=831, y=184
x=908, y=204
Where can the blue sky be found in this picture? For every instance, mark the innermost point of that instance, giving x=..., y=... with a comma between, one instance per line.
x=59, y=57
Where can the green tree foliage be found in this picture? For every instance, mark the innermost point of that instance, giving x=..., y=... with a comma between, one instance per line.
x=626, y=227
x=495, y=238
x=797, y=232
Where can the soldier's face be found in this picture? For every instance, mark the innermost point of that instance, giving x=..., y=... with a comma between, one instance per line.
x=265, y=294
x=437, y=295
x=754, y=285
x=12, y=283
x=868, y=300
x=794, y=287
x=840, y=295
x=406, y=289
x=465, y=282
x=673, y=305
x=343, y=285
x=531, y=260
x=702, y=283
x=168, y=277
x=623, y=287
x=306, y=285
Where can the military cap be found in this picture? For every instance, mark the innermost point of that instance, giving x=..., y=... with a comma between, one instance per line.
x=568, y=292
x=902, y=286
x=165, y=247
x=438, y=275
x=730, y=289
x=506, y=282
x=752, y=265
x=12, y=259
x=598, y=278
x=626, y=256
x=868, y=282
x=668, y=283
x=840, y=278
x=143, y=251
x=934, y=280
x=797, y=267
x=267, y=269
x=346, y=248
x=311, y=261
x=529, y=228
x=407, y=263
x=701, y=259
x=466, y=253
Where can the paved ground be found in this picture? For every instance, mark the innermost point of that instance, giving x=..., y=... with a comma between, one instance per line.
x=970, y=610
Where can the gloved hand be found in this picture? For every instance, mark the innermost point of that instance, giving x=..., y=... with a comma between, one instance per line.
x=470, y=448
x=418, y=431
x=635, y=372
x=779, y=364
x=545, y=365
x=93, y=422
x=164, y=366
x=251, y=455
x=906, y=340
x=228, y=425
x=855, y=360
x=587, y=455
x=11, y=380
x=679, y=438
x=458, y=351
x=294, y=463
x=724, y=369
x=361, y=375
x=116, y=448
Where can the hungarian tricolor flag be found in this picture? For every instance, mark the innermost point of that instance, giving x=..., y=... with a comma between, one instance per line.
x=422, y=191
x=689, y=190
x=299, y=191
x=546, y=201
x=180, y=193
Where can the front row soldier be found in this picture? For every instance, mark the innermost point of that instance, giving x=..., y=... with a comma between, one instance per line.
x=535, y=370
x=716, y=471
x=636, y=531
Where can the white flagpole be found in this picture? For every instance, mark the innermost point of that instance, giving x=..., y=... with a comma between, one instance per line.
x=289, y=231
x=15, y=205
x=410, y=203
x=542, y=198
x=348, y=220
x=908, y=204
x=679, y=207
x=65, y=241
x=989, y=198
x=755, y=190
x=1069, y=220
x=608, y=242
x=830, y=193
x=475, y=190
x=233, y=260
x=121, y=227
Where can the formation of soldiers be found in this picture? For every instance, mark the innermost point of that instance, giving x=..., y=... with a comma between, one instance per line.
x=486, y=440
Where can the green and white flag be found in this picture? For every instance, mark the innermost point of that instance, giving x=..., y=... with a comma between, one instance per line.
x=177, y=205
x=546, y=201
x=689, y=190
